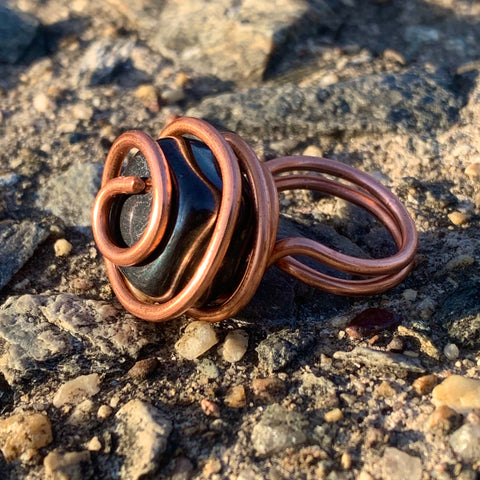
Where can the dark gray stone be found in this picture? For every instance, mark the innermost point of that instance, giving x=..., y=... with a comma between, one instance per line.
x=17, y=32
x=410, y=102
x=460, y=315
x=277, y=430
x=281, y=348
x=70, y=195
x=18, y=241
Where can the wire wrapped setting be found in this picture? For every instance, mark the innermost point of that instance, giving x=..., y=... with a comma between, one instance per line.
x=236, y=160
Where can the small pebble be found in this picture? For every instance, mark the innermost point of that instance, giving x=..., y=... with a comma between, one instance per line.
x=21, y=435
x=394, y=56
x=82, y=112
x=104, y=412
x=465, y=442
x=42, y=103
x=410, y=295
x=148, y=95
x=235, y=346
x=207, y=368
x=77, y=390
x=425, y=384
x=451, y=351
x=266, y=389
x=210, y=408
x=198, y=338
x=395, y=345
x=212, y=466
x=182, y=79
x=333, y=415
x=313, y=151
x=235, y=397
x=473, y=170
x=346, y=461
x=94, y=445
x=143, y=368
x=81, y=413
x=65, y=466
x=458, y=218
x=173, y=96
x=62, y=248
x=442, y=419
x=371, y=321
x=384, y=390
x=462, y=394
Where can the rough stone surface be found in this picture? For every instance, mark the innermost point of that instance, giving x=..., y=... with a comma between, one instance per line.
x=18, y=241
x=345, y=108
x=143, y=434
x=466, y=442
x=43, y=330
x=459, y=393
x=76, y=390
x=23, y=434
x=277, y=430
x=398, y=465
x=281, y=348
x=70, y=465
x=17, y=32
x=71, y=194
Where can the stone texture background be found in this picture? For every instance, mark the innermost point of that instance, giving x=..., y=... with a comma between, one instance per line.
x=87, y=391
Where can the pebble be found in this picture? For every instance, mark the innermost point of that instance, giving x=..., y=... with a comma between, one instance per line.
x=104, y=411
x=277, y=430
x=42, y=103
x=462, y=394
x=473, y=170
x=379, y=359
x=384, y=390
x=267, y=389
x=371, y=321
x=81, y=413
x=143, y=368
x=426, y=344
x=451, y=351
x=313, y=151
x=235, y=346
x=171, y=96
x=410, y=295
x=148, y=95
x=208, y=368
x=210, y=408
x=66, y=466
x=198, y=338
x=82, y=112
x=21, y=435
x=460, y=261
x=62, y=247
x=442, y=419
x=211, y=467
x=94, y=445
x=143, y=434
x=465, y=442
x=77, y=390
x=425, y=384
x=334, y=415
x=235, y=397
x=458, y=218
x=346, y=461
x=398, y=465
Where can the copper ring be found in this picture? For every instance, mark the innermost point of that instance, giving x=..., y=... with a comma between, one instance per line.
x=236, y=158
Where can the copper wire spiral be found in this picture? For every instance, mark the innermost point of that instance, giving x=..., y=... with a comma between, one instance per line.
x=235, y=159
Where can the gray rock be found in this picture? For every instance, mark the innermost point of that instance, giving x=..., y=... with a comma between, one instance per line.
x=18, y=241
x=31, y=341
x=398, y=465
x=411, y=102
x=379, y=359
x=460, y=315
x=71, y=194
x=230, y=40
x=143, y=434
x=43, y=331
x=277, y=430
x=465, y=442
x=281, y=348
x=103, y=59
x=17, y=32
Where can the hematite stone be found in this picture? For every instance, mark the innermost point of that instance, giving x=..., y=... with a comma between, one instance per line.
x=196, y=197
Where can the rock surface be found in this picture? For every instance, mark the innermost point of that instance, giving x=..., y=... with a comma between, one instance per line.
x=466, y=443
x=398, y=465
x=143, y=433
x=18, y=242
x=459, y=393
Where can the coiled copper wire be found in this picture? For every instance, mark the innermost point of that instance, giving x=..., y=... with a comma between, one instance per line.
x=236, y=158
